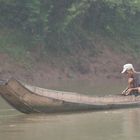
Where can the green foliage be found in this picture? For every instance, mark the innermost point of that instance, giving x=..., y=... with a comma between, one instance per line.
x=76, y=11
x=14, y=42
x=62, y=24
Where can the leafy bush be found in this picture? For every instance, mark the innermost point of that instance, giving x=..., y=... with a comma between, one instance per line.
x=60, y=24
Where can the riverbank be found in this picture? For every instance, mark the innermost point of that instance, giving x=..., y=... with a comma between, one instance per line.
x=55, y=69
x=100, y=61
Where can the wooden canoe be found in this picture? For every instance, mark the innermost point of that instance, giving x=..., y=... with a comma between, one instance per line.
x=31, y=99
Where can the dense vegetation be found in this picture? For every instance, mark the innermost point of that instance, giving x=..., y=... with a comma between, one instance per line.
x=66, y=24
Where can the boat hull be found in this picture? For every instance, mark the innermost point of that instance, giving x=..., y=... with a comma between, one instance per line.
x=29, y=99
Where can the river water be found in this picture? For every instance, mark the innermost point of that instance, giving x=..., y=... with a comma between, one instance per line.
x=123, y=124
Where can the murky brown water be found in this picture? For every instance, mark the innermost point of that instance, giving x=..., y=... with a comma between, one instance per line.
x=101, y=125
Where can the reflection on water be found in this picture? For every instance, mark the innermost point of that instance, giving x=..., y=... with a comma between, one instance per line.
x=131, y=125
x=102, y=125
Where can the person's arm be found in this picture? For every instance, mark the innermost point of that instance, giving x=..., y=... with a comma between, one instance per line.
x=130, y=87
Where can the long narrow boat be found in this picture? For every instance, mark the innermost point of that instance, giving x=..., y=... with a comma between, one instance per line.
x=31, y=99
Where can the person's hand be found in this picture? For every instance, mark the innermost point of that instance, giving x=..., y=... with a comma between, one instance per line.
x=124, y=92
x=128, y=91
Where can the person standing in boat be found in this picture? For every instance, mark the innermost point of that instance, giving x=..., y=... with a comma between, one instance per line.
x=133, y=80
